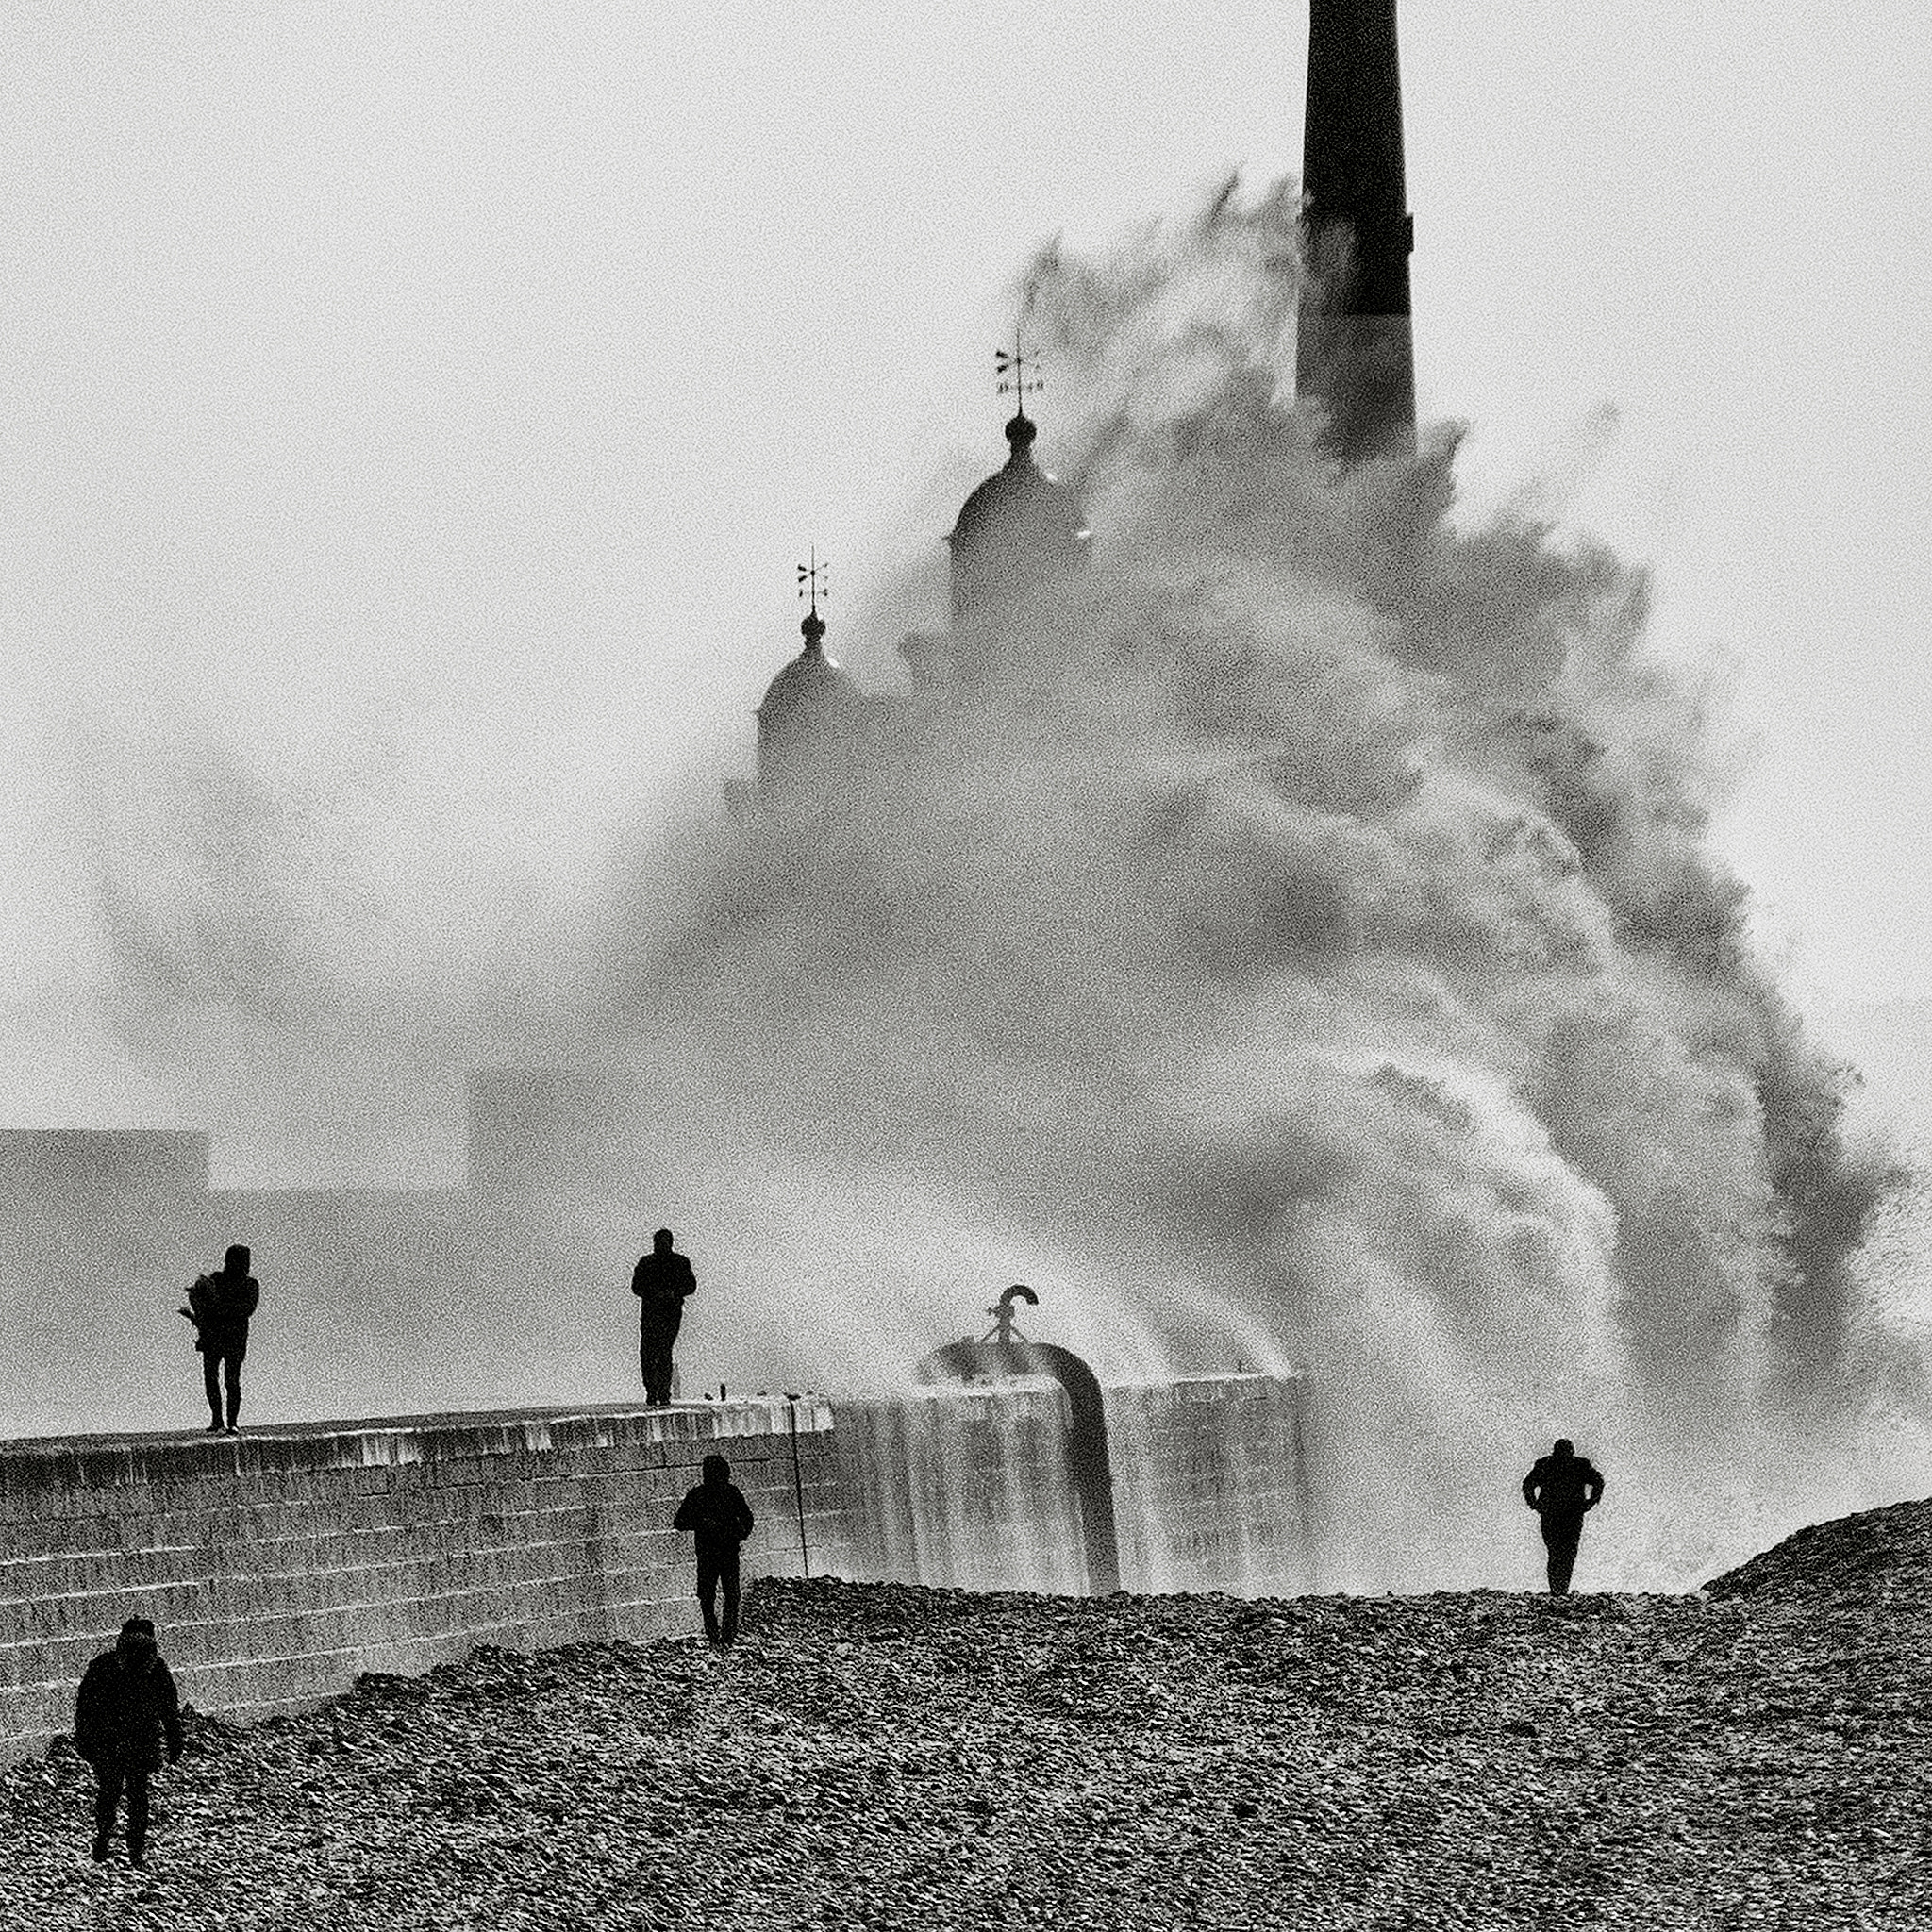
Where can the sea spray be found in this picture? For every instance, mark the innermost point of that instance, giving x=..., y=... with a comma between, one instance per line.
x=1298, y=934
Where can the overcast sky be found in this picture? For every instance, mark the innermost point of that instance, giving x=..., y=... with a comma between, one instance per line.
x=426, y=406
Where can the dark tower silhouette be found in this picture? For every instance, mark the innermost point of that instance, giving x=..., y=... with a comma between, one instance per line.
x=1353, y=350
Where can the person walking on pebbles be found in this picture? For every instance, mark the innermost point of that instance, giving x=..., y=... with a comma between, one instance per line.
x=717, y=1515
x=126, y=1713
x=1562, y=1487
x=662, y=1282
x=219, y=1304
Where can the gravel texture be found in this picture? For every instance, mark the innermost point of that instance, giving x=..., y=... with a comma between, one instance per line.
x=879, y=1755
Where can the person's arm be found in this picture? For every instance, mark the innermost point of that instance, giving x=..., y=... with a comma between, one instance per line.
x=746, y=1519
x=689, y=1285
x=637, y=1280
x=171, y=1711
x=87, y=1710
x=686, y=1516
x=1593, y=1488
x=251, y=1298
x=83, y=1717
x=1529, y=1489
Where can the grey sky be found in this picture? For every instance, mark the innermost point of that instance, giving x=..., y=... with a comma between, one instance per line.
x=424, y=408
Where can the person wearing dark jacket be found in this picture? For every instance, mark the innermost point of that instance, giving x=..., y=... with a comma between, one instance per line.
x=1562, y=1487
x=662, y=1282
x=719, y=1519
x=219, y=1304
x=126, y=1713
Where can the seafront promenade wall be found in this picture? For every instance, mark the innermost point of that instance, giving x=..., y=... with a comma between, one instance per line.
x=962, y=1487
x=1212, y=1486
x=280, y=1564
x=969, y=1485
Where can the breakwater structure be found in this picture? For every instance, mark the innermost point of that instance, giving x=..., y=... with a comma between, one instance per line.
x=282, y=1564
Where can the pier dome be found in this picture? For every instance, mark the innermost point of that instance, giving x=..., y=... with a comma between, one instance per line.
x=1018, y=530
x=810, y=710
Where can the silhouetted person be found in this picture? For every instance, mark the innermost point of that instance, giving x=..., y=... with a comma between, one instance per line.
x=662, y=1282
x=219, y=1304
x=718, y=1516
x=125, y=1712
x=1562, y=1487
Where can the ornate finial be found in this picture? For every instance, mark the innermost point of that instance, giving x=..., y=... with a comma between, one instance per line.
x=812, y=579
x=1019, y=374
x=813, y=583
x=1003, y=1332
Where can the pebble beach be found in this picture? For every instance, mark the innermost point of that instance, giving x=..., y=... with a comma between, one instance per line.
x=872, y=1754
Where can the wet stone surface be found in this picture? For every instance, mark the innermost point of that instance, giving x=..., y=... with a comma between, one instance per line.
x=876, y=1756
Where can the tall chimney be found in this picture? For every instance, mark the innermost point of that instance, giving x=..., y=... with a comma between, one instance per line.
x=1354, y=351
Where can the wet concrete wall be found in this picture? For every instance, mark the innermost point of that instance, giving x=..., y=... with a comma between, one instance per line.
x=278, y=1565
x=1212, y=1486
x=962, y=1487
x=969, y=1485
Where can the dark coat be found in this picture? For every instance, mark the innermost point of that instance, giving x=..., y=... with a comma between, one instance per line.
x=221, y=1306
x=718, y=1515
x=663, y=1283
x=1561, y=1489
x=125, y=1711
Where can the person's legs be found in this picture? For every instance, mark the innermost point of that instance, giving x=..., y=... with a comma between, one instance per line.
x=137, y=1815
x=1560, y=1538
x=666, y=1367
x=727, y=1574
x=211, y=1388
x=655, y=1343
x=708, y=1575
x=231, y=1367
x=106, y=1802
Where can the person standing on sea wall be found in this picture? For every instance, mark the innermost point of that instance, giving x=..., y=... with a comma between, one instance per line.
x=126, y=1712
x=220, y=1305
x=662, y=1281
x=1562, y=1487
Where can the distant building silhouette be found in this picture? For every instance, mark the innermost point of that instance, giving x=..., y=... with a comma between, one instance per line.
x=1019, y=534
x=812, y=719
x=1354, y=350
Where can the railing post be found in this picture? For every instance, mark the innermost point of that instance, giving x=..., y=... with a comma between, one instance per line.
x=798, y=1490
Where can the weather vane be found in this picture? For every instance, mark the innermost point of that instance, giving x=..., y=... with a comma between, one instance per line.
x=812, y=580
x=1018, y=372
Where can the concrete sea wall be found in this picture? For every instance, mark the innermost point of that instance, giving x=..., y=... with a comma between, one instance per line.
x=968, y=1485
x=1211, y=1486
x=962, y=1487
x=280, y=1564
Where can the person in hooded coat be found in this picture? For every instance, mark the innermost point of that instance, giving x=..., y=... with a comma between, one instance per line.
x=219, y=1304
x=719, y=1519
x=1562, y=1487
x=126, y=1715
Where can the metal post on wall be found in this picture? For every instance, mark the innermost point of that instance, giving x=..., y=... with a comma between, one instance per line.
x=798, y=1490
